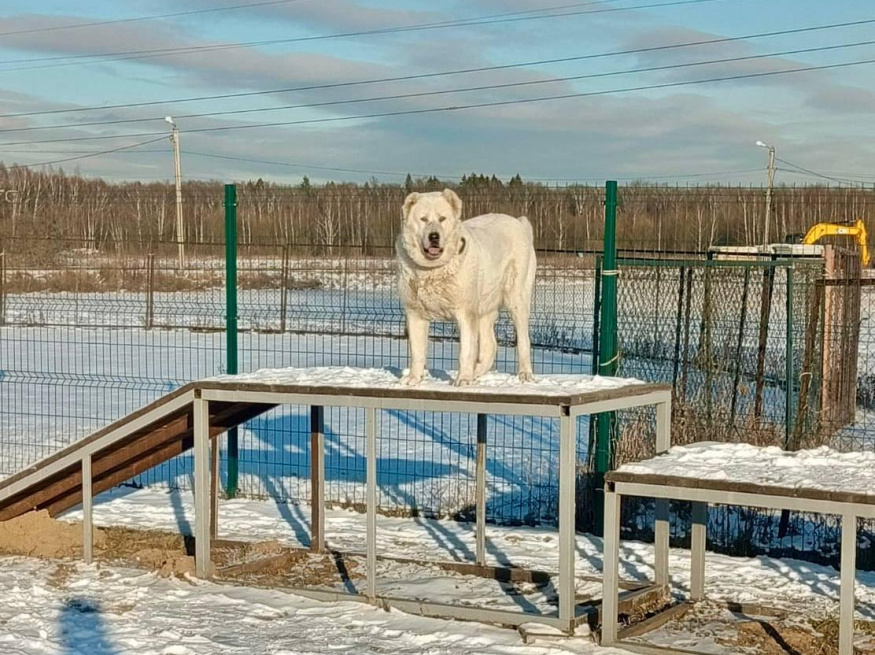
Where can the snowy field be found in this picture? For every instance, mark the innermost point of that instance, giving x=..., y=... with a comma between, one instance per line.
x=55, y=608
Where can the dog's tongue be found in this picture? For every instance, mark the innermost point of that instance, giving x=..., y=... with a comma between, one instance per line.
x=434, y=251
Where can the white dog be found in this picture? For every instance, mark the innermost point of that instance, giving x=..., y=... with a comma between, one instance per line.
x=465, y=271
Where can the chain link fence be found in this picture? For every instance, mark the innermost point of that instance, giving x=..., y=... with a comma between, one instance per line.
x=758, y=351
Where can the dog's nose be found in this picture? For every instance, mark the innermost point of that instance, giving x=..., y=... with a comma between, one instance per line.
x=434, y=237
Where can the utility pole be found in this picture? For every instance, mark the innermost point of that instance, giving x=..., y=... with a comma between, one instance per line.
x=177, y=171
x=768, y=189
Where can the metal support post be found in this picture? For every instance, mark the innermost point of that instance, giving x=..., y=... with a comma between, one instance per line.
x=697, y=551
x=480, y=476
x=201, y=487
x=848, y=578
x=231, y=322
x=567, y=490
x=607, y=345
x=661, y=528
x=214, y=488
x=87, y=513
x=611, y=572
x=317, y=479
x=371, y=464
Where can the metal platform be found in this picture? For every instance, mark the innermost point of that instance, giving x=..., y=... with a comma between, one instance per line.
x=194, y=415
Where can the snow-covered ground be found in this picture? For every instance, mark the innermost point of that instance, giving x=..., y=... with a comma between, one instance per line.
x=69, y=608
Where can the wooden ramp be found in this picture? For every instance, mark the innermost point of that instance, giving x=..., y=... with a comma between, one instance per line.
x=118, y=452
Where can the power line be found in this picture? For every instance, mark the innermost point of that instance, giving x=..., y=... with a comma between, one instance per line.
x=469, y=22
x=93, y=154
x=480, y=105
x=422, y=94
x=404, y=78
x=447, y=176
x=138, y=19
x=808, y=171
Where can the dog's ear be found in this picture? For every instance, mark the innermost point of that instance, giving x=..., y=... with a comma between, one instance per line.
x=455, y=202
x=409, y=201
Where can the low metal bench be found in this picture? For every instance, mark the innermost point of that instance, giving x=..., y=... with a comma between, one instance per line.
x=761, y=485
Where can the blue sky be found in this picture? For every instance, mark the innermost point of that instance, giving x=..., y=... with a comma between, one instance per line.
x=820, y=120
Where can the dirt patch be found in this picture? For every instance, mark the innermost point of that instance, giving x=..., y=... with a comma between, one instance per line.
x=292, y=568
x=267, y=563
x=790, y=633
x=36, y=534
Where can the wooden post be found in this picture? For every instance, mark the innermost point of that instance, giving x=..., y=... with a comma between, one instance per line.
x=765, y=317
x=480, y=480
x=284, y=289
x=677, y=330
x=2, y=288
x=201, y=487
x=150, y=291
x=87, y=513
x=317, y=479
x=739, y=353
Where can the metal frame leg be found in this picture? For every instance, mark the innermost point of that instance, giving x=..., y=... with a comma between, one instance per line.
x=661, y=527
x=480, y=476
x=371, y=464
x=567, y=489
x=214, y=488
x=697, y=551
x=848, y=579
x=317, y=479
x=87, y=514
x=660, y=547
x=202, y=502
x=611, y=572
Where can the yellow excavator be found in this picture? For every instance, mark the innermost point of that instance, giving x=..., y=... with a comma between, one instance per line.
x=856, y=230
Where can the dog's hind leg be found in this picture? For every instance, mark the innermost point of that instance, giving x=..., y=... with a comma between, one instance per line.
x=519, y=303
x=488, y=345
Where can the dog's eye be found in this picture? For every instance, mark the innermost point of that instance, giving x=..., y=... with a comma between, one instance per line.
x=424, y=219
x=442, y=219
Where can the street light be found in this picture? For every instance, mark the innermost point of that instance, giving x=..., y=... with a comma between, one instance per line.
x=771, y=150
x=177, y=169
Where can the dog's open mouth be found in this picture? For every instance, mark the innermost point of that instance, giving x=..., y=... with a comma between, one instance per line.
x=433, y=252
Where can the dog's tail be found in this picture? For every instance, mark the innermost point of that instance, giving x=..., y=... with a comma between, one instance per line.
x=527, y=227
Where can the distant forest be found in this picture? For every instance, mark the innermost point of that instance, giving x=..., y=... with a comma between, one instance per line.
x=62, y=210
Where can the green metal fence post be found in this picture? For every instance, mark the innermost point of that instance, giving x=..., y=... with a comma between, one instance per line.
x=789, y=372
x=231, y=322
x=605, y=434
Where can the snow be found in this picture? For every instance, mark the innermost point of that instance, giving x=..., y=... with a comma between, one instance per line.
x=102, y=610
x=386, y=378
x=820, y=468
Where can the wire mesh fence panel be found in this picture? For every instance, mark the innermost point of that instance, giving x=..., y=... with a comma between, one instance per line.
x=320, y=304
x=90, y=335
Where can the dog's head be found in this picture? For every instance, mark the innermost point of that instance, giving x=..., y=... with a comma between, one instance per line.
x=431, y=231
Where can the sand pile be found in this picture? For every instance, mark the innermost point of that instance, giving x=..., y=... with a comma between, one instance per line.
x=38, y=535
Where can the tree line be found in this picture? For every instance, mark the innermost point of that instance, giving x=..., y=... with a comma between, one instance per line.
x=53, y=211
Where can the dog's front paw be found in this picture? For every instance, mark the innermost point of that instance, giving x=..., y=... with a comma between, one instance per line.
x=411, y=380
x=462, y=381
x=526, y=376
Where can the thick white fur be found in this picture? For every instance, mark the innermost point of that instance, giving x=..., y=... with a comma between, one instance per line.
x=486, y=263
